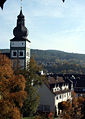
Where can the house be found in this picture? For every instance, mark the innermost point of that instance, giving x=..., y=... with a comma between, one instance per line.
x=80, y=86
x=53, y=92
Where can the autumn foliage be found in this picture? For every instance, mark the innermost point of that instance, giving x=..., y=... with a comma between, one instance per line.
x=12, y=92
x=74, y=109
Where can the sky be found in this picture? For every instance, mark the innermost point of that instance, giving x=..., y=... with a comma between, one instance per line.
x=52, y=24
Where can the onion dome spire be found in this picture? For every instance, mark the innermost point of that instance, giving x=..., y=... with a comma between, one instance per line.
x=20, y=30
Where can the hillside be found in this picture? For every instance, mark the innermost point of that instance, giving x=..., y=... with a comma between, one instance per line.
x=59, y=61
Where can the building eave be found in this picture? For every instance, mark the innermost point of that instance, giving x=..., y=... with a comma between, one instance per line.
x=20, y=39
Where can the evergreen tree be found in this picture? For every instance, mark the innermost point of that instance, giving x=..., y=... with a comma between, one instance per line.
x=33, y=80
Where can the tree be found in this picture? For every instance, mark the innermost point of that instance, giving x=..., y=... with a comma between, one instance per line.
x=33, y=80
x=63, y=0
x=31, y=103
x=3, y=1
x=11, y=90
x=73, y=109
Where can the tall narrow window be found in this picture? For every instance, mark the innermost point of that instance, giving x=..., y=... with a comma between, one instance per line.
x=21, y=53
x=14, y=54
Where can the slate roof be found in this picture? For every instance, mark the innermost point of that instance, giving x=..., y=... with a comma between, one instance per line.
x=52, y=80
x=60, y=80
x=80, y=83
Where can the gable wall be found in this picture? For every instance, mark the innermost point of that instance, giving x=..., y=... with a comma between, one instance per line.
x=46, y=97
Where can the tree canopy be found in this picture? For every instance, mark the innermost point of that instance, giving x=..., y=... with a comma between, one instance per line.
x=12, y=92
x=2, y=3
x=60, y=62
x=33, y=80
x=74, y=109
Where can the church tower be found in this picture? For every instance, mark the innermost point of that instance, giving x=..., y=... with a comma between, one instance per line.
x=20, y=45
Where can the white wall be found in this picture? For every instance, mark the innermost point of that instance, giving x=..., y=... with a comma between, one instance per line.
x=27, y=52
x=27, y=49
x=64, y=97
x=27, y=44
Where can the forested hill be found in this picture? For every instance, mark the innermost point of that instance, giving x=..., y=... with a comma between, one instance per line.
x=59, y=61
x=52, y=55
